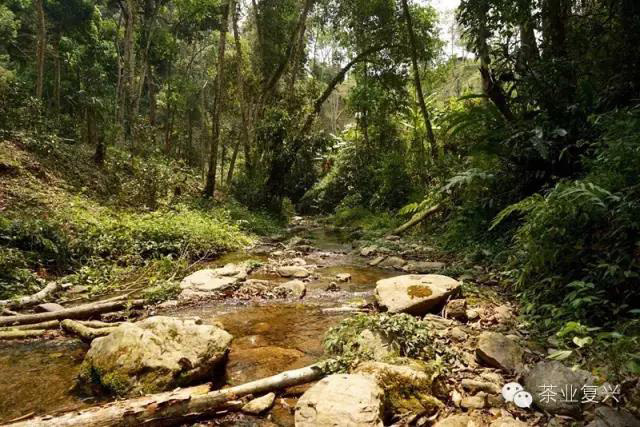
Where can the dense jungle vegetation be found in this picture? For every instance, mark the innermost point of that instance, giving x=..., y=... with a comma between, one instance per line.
x=138, y=136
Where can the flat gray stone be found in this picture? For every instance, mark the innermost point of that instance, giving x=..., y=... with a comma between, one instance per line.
x=48, y=307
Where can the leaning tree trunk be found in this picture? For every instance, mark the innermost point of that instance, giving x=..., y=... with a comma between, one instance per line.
x=418, y=83
x=174, y=407
x=210, y=186
x=41, y=43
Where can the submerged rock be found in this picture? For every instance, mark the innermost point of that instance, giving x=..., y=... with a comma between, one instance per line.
x=346, y=400
x=248, y=364
x=154, y=355
x=343, y=277
x=376, y=261
x=415, y=293
x=497, y=351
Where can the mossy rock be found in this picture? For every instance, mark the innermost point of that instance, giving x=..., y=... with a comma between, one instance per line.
x=154, y=355
x=409, y=385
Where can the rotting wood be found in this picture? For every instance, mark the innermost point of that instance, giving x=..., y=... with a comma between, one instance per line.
x=80, y=312
x=83, y=332
x=16, y=334
x=51, y=324
x=418, y=218
x=30, y=300
x=174, y=407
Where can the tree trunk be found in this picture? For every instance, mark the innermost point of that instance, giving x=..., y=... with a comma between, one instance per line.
x=80, y=312
x=210, y=186
x=51, y=324
x=244, y=111
x=297, y=34
x=418, y=83
x=174, y=407
x=21, y=335
x=41, y=43
x=129, y=9
x=418, y=218
x=31, y=299
x=528, y=42
x=85, y=333
x=491, y=87
x=57, y=66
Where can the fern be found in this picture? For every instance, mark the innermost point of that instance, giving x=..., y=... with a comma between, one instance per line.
x=523, y=206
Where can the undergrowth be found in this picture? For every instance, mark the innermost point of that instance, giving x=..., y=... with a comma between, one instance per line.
x=105, y=228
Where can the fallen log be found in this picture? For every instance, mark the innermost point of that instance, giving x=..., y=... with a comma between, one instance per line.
x=30, y=300
x=15, y=334
x=85, y=333
x=99, y=324
x=51, y=324
x=418, y=218
x=174, y=407
x=80, y=312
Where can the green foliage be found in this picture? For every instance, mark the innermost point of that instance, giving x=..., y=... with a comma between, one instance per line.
x=406, y=335
x=162, y=292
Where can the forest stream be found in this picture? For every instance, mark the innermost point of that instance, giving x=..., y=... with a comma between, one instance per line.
x=270, y=336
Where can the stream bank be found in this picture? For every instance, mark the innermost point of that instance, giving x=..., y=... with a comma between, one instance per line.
x=478, y=339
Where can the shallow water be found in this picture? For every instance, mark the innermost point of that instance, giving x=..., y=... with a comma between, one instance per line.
x=270, y=336
x=36, y=377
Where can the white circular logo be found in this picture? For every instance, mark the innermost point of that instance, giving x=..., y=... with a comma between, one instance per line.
x=523, y=399
x=509, y=391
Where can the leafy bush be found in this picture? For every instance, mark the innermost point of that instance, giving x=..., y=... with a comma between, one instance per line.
x=408, y=337
x=578, y=242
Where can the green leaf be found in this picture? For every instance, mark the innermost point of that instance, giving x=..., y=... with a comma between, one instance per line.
x=560, y=355
x=581, y=342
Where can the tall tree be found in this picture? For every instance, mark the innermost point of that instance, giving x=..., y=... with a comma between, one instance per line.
x=210, y=185
x=41, y=44
x=416, y=78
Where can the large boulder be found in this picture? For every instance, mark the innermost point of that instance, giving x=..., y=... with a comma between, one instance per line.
x=346, y=400
x=547, y=379
x=415, y=293
x=498, y=351
x=154, y=355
